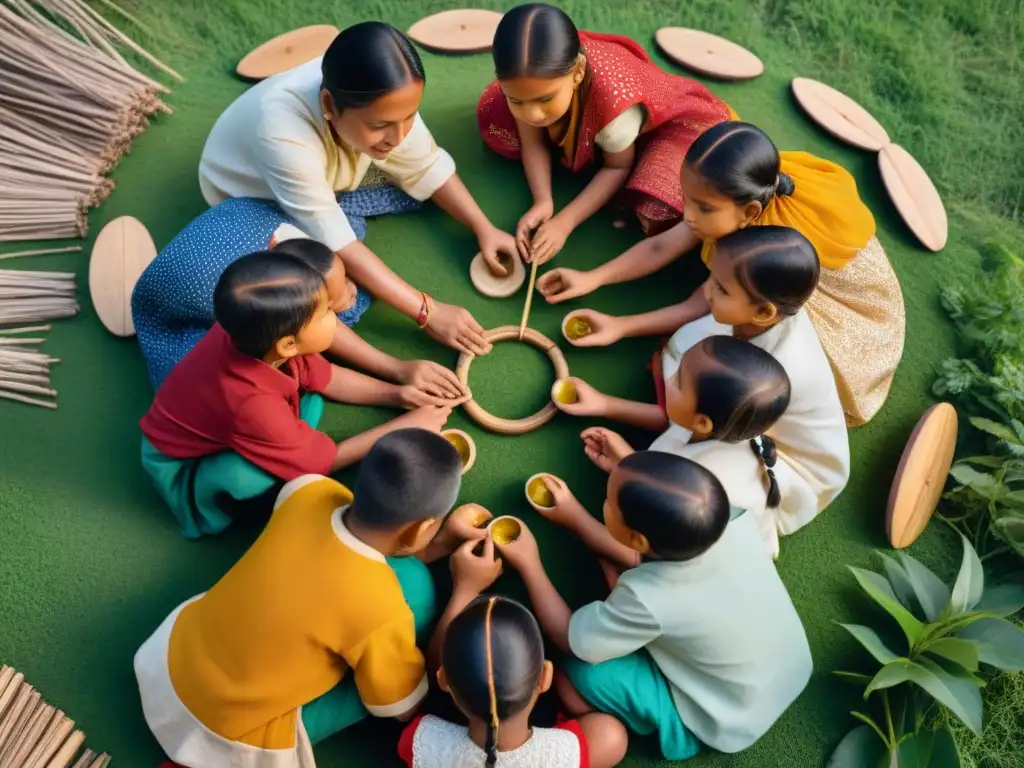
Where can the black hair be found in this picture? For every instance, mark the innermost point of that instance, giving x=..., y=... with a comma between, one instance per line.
x=265, y=296
x=740, y=161
x=313, y=252
x=764, y=448
x=367, y=61
x=408, y=475
x=493, y=655
x=535, y=40
x=676, y=503
x=744, y=392
x=775, y=265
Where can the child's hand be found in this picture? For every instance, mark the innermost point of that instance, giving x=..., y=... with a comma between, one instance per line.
x=522, y=553
x=563, y=284
x=411, y=396
x=429, y=417
x=539, y=212
x=549, y=239
x=604, y=447
x=431, y=378
x=567, y=509
x=473, y=573
x=464, y=523
x=492, y=242
x=589, y=402
x=605, y=329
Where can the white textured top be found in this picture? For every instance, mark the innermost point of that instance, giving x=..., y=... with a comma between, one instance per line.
x=273, y=143
x=623, y=131
x=440, y=744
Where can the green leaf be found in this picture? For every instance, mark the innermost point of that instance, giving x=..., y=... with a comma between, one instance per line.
x=1011, y=530
x=1000, y=643
x=852, y=677
x=992, y=462
x=871, y=641
x=995, y=429
x=982, y=482
x=958, y=691
x=878, y=589
x=931, y=593
x=915, y=751
x=1002, y=600
x=893, y=673
x=960, y=651
x=970, y=582
x=860, y=748
x=899, y=582
x=944, y=751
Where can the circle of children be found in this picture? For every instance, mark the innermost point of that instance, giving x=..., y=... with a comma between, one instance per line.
x=795, y=335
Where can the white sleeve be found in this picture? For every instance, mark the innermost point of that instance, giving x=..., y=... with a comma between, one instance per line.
x=293, y=164
x=609, y=629
x=623, y=131
x=418, y=165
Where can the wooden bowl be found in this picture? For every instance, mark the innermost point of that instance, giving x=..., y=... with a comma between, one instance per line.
x=540, y=498
x=921, y=475
x=287, y=51
x=575, y=327
x=504, y=530
x=914, y=196
x=464, y=445
x=563, y=392
x=464, y=30
x=121, y=253
x=839, y=115
x=490, y=284
x=708, y=54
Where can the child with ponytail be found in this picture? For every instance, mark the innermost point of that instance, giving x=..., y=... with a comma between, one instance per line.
x=734, y=178
x=761, y=279
x=589, y=99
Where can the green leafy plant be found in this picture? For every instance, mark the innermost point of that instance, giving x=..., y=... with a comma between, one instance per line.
x=947, y=634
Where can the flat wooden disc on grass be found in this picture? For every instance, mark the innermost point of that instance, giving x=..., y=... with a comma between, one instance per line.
x=286, y=51
x=465, y=30
x=122, y=251
x=839, y=115
x=708, y=54
x=921, y=475
x=497, y=287
x=914, y=196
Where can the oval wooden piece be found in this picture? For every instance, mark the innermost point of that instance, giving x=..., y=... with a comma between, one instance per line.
x=122, y=251
x=921, y=475
x=497, y=287
x=839, y=115
x=286, y=51
x=513, y=426
x=464, y=30
x=914, y=196
x=708, y=54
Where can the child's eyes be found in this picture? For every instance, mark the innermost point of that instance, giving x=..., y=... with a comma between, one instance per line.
x=705, y=209
x=544, y=100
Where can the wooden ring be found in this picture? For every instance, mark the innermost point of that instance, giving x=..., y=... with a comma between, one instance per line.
x=513, y=426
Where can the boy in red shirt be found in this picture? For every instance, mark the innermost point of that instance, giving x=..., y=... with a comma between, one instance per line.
x=239, y=413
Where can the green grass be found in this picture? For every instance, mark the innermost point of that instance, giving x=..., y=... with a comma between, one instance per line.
x=90, y=562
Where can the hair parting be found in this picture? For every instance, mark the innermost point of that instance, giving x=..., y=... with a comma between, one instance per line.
x=774, y=265
x=491, y=747
x=764, y=448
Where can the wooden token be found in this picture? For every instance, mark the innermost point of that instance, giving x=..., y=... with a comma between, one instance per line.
x=708, y=54
x=493, y=286
x=465, y=30
x=286, y=51
x=464, y=444
x=921, y=475
x=839, y=115
x=122, y=251
x=914, y=196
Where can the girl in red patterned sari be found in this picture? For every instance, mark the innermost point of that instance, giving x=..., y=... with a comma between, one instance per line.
x=589, y=98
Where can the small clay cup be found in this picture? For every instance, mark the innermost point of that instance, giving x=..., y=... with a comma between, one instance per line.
x=504, y=530
x=540, y=498
x=464, y=445
x=563, y=392
x=575, y=327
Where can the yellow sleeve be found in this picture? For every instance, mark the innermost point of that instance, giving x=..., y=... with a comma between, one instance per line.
x=390, y=671
x=418, y=165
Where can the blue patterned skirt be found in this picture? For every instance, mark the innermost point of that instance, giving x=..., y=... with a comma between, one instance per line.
x=172, y=304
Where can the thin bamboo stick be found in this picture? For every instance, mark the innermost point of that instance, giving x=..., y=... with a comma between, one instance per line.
x=26, y=329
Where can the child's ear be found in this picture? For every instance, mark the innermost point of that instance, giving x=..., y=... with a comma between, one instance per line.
x=639, y=543
x=327, y=103
x=442, y=680
x=416, y=536
x=766, y=314
x=547, y=677
x=702, y=425
x=751, y=211
x=580, y=69
x=287, y=348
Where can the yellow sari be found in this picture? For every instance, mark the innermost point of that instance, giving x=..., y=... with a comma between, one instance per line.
x=858, y=306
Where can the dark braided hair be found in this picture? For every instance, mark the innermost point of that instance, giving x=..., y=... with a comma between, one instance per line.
x=367, y=61
x=775, y=265
x=535, y=40
x=764, y=448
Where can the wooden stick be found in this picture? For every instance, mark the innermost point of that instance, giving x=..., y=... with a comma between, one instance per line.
x=10, y=684
x=85, y=761
x=529, y=300
x=44, y=404
x=20, y=342
x=27, y=378
x=29, y=389
x=67, y=752
x=59, y=729
x=26, y=329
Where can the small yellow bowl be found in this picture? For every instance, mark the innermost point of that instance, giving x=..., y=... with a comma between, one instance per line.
x=575, y=327
x=563, y=392
x=464, y=445
x=504, y=530
x=540, y=498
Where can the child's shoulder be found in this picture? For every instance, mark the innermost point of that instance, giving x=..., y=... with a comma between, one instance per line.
x=312, y=490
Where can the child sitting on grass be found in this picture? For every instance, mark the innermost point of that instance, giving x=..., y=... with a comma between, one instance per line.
x=761, y=278
x=700, y=641
x=316, y=625
x=231, y=420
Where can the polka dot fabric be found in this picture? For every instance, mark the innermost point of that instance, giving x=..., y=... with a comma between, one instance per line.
x=172, y=305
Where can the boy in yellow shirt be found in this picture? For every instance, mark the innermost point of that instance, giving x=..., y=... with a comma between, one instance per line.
x=316, y=625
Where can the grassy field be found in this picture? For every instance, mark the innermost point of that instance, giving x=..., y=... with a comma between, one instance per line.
x=89, y=560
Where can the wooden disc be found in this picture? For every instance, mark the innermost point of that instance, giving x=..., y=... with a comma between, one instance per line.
x=839, y=115
x=708, y=54
x=513, y=426
x=465, y=30
x=497, y=287
x=914, y=196
x=122, y=251
x=286, y=52
x=921, y=475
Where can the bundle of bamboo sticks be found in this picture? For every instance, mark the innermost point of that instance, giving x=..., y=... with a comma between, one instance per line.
x=70, y=105
x=35, y=735
x=24, y=370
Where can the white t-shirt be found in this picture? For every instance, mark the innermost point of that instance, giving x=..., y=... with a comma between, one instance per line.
x=623, y=131
x=273, y=143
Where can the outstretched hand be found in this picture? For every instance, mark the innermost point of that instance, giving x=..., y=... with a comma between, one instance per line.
x=604, y=447
x=562, y=284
